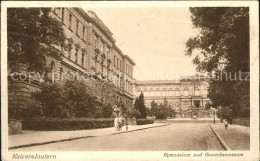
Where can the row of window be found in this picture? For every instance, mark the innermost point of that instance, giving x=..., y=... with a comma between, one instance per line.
x=77, y=55
x=118, y=63
x=170, y=93
x=128, y=87
x=74, y=24
x=129, y=70
x=102, y=46
x=80, y=30
x=105, y=49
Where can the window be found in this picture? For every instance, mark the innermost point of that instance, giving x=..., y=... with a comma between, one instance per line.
x=69, y=51
x=108, y=52
x=52, y=66
x=76, y=55
x=114, y=60
x=61, y=74
x=177, y=92
x=166, y=93
x=83, y=33
x=102, y=70
x=82, y=59
x=126, y=69
x=170, y=92
x=96, y=41
x=117, y=63
x=63, y=10
x=70, y=21
x=102, y=47
x=197, y=91
x=120, y=65
x=77, y=28
x=186, y=92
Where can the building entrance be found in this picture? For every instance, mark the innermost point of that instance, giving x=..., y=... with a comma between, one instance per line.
x=196, y=103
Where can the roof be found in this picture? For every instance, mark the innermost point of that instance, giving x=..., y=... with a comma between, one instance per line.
x=146, y=82
x=128, y=58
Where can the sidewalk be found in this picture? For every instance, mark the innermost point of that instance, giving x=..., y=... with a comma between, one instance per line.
x=33, y=138
x=236, y=137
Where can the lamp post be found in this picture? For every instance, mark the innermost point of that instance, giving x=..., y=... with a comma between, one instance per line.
x=214, y=113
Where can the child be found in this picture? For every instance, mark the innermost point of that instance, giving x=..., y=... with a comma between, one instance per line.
x=226, y=124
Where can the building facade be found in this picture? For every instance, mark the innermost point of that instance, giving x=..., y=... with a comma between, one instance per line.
x=182, y=95
x=92, y=50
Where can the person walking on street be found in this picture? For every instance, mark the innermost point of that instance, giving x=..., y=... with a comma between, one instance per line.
x=116, y=124
x=226, y=124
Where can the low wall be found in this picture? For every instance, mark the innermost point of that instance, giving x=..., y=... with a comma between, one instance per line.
x=14, y=126
x=160, y=120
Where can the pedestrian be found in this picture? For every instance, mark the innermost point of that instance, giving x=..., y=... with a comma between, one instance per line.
x=116, y=123
x=119, y=122
x=226, y=124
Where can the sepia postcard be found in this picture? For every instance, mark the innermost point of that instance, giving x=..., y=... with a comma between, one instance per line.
x=130, y=80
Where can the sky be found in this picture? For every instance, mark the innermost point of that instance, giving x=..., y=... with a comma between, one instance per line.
x=154, y=38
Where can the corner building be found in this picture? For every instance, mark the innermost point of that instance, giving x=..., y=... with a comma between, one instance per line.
x=92, y=50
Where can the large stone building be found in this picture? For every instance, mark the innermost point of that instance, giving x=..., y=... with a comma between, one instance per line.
x=93, y=50
x=182, y=95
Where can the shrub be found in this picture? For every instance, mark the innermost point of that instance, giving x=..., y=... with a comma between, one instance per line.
x=66, y=124
x=144, y=121
x=32, y=110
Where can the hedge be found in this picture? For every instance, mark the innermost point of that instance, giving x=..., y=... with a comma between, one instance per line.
x=66, y=124
x=144, y=121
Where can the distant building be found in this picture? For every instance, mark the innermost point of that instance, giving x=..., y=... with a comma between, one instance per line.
x=184, y=94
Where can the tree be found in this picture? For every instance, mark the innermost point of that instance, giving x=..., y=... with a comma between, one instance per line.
x=140, y=106
x=32, y=35
x=224, y=112
x=69, y=99
x=154, y=108
x=223, y=45
x=162, y=111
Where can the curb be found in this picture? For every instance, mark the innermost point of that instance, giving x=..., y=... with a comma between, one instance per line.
x=223, y=143
x=138, y=129
x=48, y=142
x=76, y=138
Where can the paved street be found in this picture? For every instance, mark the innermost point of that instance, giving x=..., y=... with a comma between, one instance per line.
x=185, y=136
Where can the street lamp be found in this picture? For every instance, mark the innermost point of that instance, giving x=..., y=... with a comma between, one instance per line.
x=214, y=113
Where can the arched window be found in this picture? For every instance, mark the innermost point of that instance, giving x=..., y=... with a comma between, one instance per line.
x=151, y=93
x=164, y=92
x=197, y=91
x=186, y=91
x=52, y=66
x=170, y=92
x=158, y=92
x=177, y=91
